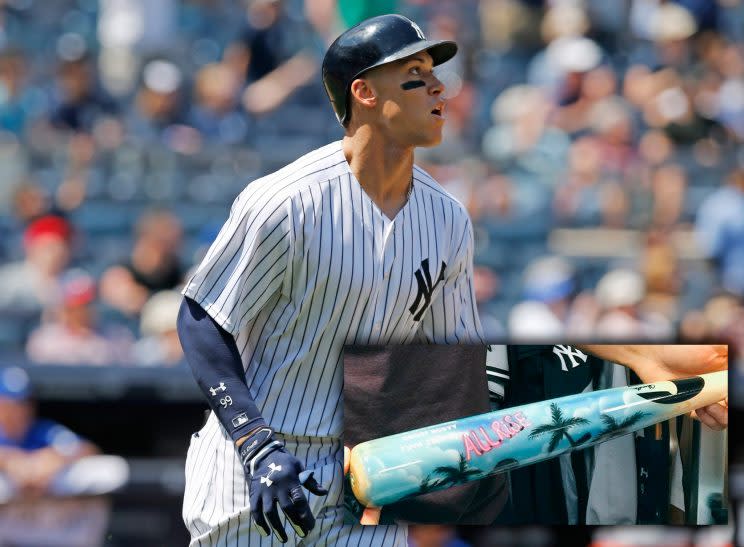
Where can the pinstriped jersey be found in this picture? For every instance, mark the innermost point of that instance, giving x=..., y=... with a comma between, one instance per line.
x=307, y=263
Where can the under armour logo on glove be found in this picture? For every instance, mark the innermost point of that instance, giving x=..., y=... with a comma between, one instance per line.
x=275, y=477
x=272, y=469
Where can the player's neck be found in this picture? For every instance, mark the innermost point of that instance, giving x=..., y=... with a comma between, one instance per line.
x=383, y=170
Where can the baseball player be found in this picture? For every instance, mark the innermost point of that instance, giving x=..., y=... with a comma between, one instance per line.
x=350, y=244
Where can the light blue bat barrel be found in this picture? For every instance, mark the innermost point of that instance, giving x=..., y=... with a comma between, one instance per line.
x=392, y=468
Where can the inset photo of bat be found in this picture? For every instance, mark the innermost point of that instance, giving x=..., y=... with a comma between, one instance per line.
x=392, y=468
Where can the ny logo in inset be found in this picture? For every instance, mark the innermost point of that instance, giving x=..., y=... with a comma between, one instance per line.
x=425, y=288
x=571, y=353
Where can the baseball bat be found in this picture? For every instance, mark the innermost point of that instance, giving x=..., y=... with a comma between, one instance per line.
x=395, y=467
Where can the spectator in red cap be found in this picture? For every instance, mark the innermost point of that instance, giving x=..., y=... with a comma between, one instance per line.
x=32, y=284
x=71, y=335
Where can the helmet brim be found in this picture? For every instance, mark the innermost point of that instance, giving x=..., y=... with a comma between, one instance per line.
x=441, y=51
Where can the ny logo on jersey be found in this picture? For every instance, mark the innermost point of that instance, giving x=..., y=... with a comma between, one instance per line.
x=425, y=288
x=214, y=390
x=571, y=353
x=272, y=467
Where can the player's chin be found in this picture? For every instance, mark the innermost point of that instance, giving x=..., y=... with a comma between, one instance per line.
x=431, y=138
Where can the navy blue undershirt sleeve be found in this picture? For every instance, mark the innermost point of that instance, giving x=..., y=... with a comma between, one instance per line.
x=218, y=369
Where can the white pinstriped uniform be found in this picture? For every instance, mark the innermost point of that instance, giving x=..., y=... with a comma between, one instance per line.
x=305, y=264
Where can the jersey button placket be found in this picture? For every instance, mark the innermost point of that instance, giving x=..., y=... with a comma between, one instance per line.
x=388, y=251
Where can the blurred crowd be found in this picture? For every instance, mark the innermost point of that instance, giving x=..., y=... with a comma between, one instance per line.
x=597, y=146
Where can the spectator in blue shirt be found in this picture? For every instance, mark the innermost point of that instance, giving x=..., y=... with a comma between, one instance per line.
x=33, y=451
x=720, y=231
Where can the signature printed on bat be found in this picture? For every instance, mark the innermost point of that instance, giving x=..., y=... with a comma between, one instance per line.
x=646, y=386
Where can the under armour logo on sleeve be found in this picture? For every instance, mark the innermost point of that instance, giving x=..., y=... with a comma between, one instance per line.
x=425, y=288
x=214, y=390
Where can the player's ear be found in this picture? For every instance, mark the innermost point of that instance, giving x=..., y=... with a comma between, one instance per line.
x=362, y=92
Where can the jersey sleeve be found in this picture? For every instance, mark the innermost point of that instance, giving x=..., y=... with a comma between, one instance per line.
x=453, y=317
x=247, y=264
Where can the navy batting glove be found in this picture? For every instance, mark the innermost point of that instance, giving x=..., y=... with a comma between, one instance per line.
x=275, y=476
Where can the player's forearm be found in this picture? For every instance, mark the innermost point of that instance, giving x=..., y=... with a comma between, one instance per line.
x=7, y=455
x=631, y=356
x=664, y=361
x=218, y=369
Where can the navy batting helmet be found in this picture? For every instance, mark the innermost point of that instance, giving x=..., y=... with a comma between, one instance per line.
x=372, y=43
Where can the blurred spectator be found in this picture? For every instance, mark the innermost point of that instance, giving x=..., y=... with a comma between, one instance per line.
x=81, y=103
x=578, y=198
x=620, y=294
x=158, y=103
x=30, y=202
x=521, y=138
x=611, y=120
x=510, y=24
x=549, y=288
x=33, y=283
x=726, y=103
x=720, y=319
x=71, y=334
x=593, y=106
x=153, y=265
x=278, y=53
x=33, y=451
x=50, y=477
x=659, y=267
x=17, y=105
x=668, y=25
x=129, y=30
x=532, y=321
x=561, y=68
x=14, y=164
x=669, y=187
x=160, y=344
x=216, y=112
x=720, y=231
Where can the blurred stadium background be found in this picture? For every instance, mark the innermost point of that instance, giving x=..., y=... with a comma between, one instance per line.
x=597, y=145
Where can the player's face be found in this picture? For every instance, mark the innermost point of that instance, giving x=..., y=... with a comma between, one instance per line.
x=410, y=106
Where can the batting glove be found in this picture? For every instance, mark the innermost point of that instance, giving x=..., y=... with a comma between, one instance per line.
x=274, y=476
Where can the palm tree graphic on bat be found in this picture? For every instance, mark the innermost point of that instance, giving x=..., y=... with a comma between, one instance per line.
x=559, y=428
